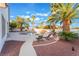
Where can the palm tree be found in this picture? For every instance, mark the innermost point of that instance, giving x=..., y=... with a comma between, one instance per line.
x=27, y=22
x=52, y=20
x=41, y=25
x=33, y=18
x=65, y=13
x=20, y=22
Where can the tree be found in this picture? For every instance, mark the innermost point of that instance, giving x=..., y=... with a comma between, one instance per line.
x=52, y=20
x=20, y=21
x=46, y=27
x=41, y=25
x=65, y=13
x=12, y=25
x=33, y=18
x=27, y=23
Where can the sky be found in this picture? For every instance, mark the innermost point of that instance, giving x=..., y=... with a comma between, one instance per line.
x=26, y=10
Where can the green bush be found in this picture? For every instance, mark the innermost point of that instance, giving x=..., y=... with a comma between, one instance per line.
x=68, y=36
x=12, y=25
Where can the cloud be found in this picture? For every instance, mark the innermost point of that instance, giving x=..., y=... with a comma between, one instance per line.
x=33, y=14
x=42, y=14
x=24, y=16
x=11, y=16
x=27, y=12
x=27, y=16
x=42, y=18
x=37, y=19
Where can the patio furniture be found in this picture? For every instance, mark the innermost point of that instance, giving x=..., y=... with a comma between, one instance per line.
x=39, y=38
x=47, y=36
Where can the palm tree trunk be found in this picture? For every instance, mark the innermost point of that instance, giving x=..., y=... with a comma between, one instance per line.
x=33, y=26
x=66, y=25
x=53, y=27
x=21, y=27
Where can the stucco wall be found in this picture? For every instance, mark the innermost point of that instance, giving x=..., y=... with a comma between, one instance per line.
x=4, y=12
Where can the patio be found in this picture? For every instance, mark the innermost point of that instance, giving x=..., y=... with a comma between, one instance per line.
x=18, y=43
x=19, y=47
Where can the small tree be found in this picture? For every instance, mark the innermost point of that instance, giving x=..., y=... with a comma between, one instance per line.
x=27, y=21
x=12, y=25
x=20, y=21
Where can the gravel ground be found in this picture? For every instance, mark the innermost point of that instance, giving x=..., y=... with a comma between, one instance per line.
x=60, y=48
x=11, y=48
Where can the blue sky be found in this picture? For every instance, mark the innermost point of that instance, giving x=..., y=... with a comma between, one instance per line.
x=40, y=10
x=25, y=10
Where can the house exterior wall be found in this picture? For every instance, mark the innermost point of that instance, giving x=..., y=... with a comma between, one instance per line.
x=2, y=5
x=3, y=25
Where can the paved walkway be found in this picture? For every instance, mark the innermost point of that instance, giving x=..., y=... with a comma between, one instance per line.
x=27, y=48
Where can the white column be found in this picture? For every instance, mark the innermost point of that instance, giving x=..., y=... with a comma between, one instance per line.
x=5, y=13
x=0, y=32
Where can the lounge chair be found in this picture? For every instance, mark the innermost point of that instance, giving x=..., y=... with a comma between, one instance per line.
x=47, y=36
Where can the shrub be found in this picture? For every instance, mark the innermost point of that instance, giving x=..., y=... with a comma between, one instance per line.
x=68, y=36
x=12, y=25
